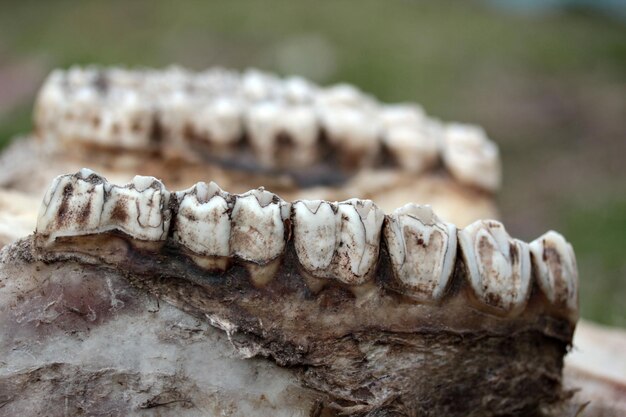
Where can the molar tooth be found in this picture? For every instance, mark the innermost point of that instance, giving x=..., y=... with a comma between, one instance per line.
x=203, y=221
x=315, y=233
x=422, y=249
x=498, y=267
x=72, y=205
x=354, y=131
x=263, y=126
x=258, y=226
x=219, y=122
x=139, y=209
x=554, y=263
x=414, y=149
x=359, y=240
x=471, y=157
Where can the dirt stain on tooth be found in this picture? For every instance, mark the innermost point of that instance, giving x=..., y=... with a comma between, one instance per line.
x=119, y=213
x=64, y=212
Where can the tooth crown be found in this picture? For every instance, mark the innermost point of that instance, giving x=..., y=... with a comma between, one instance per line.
x=338, y=240
x=258, y=226
x=555, y=267
x=498, y=267
x=203, y=222
x=286, y=123
x=331, y=241
x=422, y=249
x=85, y=203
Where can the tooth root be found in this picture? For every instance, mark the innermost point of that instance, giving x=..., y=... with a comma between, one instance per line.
x=139, y=209
x=422, y=249
x=258, y=226
x=471, y=157
x=72, y=205
x=555, y=267
x=315, y=234
x=498, y=267
x=203, y=221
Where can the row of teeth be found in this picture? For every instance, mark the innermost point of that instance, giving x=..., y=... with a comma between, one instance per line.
x=132, y=109
x=339, y=241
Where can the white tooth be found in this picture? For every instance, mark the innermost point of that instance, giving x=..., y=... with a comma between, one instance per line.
x=220, y=121
x=359, y=240
x=257, y=85
x=352, y=130
x=498, y=267
x=203, y=221
x=139, y=209
x=315, y=233
x=555, y=267
x=471, y=157
x=298, y=90
x=412, y=146
x=422, y=249
x=300, y=124
x=258, y=229
x=263, y=127
x=341, y=95
x=394, y=115
x=72, y=206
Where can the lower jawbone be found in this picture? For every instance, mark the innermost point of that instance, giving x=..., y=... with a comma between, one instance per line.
x=372, y=314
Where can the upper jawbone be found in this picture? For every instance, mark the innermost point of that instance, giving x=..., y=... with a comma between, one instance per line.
x=300, y=282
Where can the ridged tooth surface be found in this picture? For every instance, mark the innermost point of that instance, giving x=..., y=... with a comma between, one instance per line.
x=498, y=267
x=72, y=205
x=139, y=209
x=471, y=157
x=554, y=263
x=220, y=121
x=85, y=203
x=315, y=233
x=338, y=240
x=203, y=220
x=422, y=249
x=258, y=226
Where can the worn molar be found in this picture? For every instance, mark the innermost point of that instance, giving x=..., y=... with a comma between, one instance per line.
x=554, y=265
x=219, y=122
x=338, y=240
x=203, y=223
x=85, y=204
x=282, y=135
x=498, y=267
x=258, y=232
x=471, y=157
x=422, y=250
x=72, y=205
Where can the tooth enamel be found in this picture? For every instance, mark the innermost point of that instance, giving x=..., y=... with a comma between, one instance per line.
x=72, y=206
x=394, y=115
x=414, y=149
x=471, y=157
x=555, y=267
x=422, y=249
x=258, y=229
x=139, y=209
x=498, y=267
x=203, y=222
x=298, y=90
x=315, y=233
x=263, y=125
x=219, y=122
x=352, y=130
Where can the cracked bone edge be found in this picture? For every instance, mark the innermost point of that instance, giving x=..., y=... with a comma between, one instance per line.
x=203, y=221
x=498, y=267
x=422, y=249
x=554, y=264
x=471, y=157
x=85, y=203
x=258, y=226
x=338, y=240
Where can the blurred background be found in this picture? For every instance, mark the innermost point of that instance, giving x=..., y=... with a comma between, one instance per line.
x=546, y=79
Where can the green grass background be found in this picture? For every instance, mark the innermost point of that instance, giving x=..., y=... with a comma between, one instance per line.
x=549, y=88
